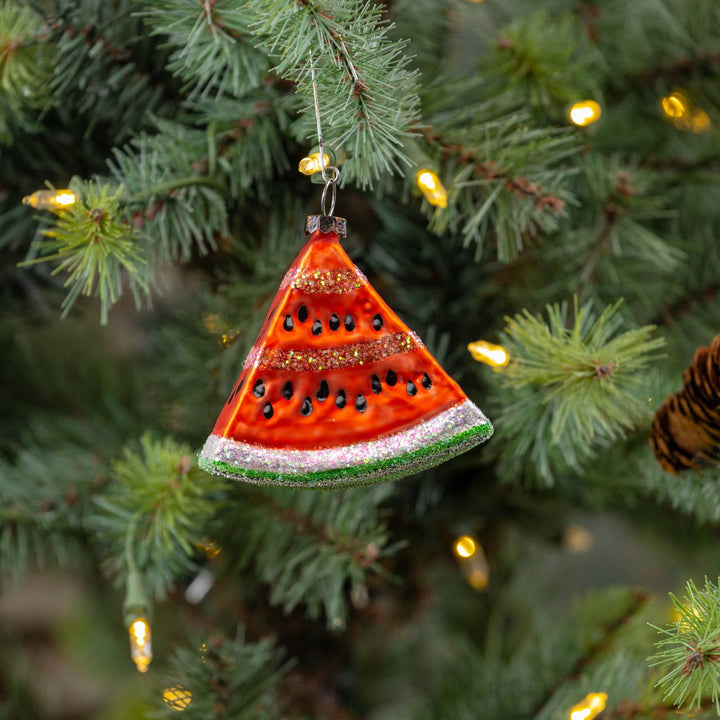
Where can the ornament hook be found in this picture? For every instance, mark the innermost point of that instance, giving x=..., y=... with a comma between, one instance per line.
x=331, y=182
x=330, y=174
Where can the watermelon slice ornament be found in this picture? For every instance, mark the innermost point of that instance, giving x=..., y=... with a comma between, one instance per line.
x=337, y=391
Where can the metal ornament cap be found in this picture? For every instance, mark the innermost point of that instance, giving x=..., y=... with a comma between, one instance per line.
x=326, y=224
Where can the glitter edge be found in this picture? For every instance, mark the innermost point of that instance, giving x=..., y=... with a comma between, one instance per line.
x=367, y=474
x=290, y=461
x=334, y=357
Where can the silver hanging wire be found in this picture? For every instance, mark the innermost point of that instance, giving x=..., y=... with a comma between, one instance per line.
x=330, y=174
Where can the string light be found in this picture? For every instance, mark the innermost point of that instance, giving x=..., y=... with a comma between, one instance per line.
x=485, y=352
x=585, y=112
x=140, y=643
x=588, y=708
x=217, y=326
x=684, y=114
x=577, y=539
x=311, y=164
x=700, y=121
x=431, y=187
x=683, y=621
x=464, y=547
x=478, y=579
x=213, y=323
x=209, y=548
x=50, y=199
x=228, y=338
x=675, y=106
x=178, y=698
x=472, y=562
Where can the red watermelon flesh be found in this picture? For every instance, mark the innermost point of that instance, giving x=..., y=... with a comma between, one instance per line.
x=337, y=391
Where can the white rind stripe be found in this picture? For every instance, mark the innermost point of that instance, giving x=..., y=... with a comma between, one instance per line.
x=445, y=425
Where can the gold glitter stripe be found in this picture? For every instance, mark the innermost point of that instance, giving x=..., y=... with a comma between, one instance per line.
x=341, y=356
x=327, y=281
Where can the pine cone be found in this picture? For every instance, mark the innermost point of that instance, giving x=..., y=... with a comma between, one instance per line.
x=686, y=429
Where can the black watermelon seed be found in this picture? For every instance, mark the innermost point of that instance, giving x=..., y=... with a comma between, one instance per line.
x=410, y=387
x=307, y=407
x=426, y=381
x=317, y=327
x=391, y=378
x=302, y=313
x=288, y=325
x=376, y=385
x=287, y=391
x=323, y=392
x=340, y=400
x=258, y=389
x=349, y=323
x=268, y=411
x=377, y=322
x=360, y=403
x=334, y=322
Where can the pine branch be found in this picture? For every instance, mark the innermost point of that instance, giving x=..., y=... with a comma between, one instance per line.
x=508, y=178
x=175, y=206
x=585, y=369
x=108, y=76
x=368, y=97
x=25, y=65
x=225, y=678
x=577, y=384
x=45, y=494
x=628, y=220
x=594, y=651
x=92, y=244
x=689, y=649
x=309, y=546
x=548, y=59
x=251, y=136
x=214, y=51
x=504, y=686
x=155, y=512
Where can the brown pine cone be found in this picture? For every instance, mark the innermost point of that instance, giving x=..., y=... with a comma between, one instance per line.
x=686, y=429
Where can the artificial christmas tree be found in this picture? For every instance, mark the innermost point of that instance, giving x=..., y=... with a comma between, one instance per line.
x=510, y=171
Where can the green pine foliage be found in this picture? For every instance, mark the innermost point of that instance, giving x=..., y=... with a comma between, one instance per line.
x=180, y=125
x=577, y=381
x=229, y=677
x=512, y=691
x=368, y=96
x=50, y=532
x=214, y=49
x=155, y=512
x=689, y=648
x=92, y=244
x=175, y=207
x=588, y=371
x=310, y=546
x=25, y=66
x=107, y=78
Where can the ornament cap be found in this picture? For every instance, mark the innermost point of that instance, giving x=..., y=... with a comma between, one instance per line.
x=326, y=224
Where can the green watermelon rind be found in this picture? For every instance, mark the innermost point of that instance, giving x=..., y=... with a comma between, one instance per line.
x=366, y=474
